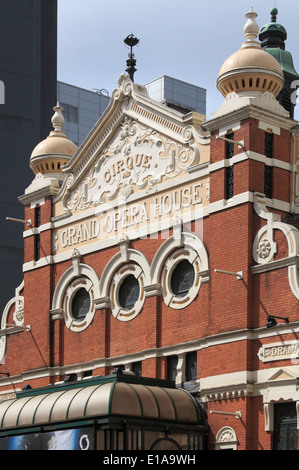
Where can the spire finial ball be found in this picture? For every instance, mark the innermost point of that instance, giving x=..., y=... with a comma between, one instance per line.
x=274, y=13
x=251, y=28
x=58, y=119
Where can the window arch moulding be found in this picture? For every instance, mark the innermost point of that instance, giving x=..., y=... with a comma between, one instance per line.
x=124, y=263
x=76, y=277
x=177, y=248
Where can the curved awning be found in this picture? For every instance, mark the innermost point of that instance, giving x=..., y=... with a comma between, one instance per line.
x=112, y=398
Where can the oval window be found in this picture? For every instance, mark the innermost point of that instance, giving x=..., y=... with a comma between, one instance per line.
x=182, y=278
x=80, y=304
x=129, y=292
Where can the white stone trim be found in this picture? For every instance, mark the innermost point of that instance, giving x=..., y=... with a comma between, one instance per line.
x=38, y=202
x=18, y=317
x=73, y=287
x=266, y=233
x=279, y=351
x=230, y=127
x=169, y=297
x=271, y=265
x=129, y=100
x=125, y=256
x=77, y=276
x=223, y=386
x=181, y=245
x=280, y=386
x=37, y=230
x=179, y=239
x=217, y=206
x=226, y=438
x=263, y=106
x=265, y=126
x=250, y=155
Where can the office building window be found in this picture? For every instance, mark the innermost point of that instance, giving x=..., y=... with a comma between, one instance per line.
x=70, y=112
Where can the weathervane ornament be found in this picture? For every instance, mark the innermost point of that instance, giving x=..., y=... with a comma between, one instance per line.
x=131, y=41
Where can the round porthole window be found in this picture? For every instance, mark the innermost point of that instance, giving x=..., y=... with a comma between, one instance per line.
x=80, y=304
x=129, y=292
x=126, y=293
x=182, y=278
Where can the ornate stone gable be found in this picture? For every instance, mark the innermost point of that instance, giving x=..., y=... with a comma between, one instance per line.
x=138, y=158
x=141, y=167
x=137, y=144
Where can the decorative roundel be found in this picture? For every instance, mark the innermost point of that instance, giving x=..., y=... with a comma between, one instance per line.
x=263, y=248
x=126, y=293
x=181, y=278
x=78, y=304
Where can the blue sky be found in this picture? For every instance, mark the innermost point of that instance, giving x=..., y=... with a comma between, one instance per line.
x=188, y=40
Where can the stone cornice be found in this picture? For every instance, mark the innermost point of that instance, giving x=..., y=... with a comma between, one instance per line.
x=240, y=387
x=39, y=193
x=280, y=263
x=263, y=107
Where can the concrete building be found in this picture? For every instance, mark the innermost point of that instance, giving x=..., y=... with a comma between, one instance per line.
x=177, y=94
x=159, y=306
x=82, y=108
x=28, y=74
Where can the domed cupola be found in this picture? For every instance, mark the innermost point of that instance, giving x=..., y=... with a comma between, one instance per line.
x=273, y=36
x=250, y=70
x=56, y=150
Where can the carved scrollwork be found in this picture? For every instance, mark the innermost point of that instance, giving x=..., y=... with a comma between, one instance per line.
x=226, y=435
x=188, y=133
x=79, y=199
x=124, y=89
x=69, y=180
x=139, y=157
x=264, y=248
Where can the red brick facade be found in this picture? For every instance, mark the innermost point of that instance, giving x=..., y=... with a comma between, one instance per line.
x=243, y=368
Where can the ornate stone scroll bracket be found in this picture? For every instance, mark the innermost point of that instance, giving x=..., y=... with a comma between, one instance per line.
x=124, y=244
x=76, y=261
x=16, y=303
x=264, y=247
x=260, y=207
x=126, y=88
